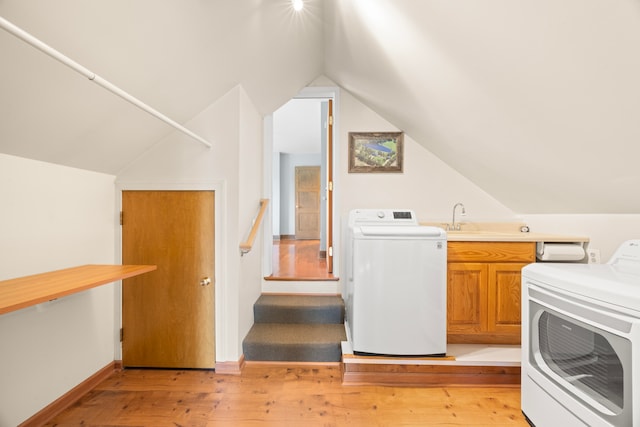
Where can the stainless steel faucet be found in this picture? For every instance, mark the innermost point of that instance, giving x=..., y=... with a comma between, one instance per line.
x=453, y=225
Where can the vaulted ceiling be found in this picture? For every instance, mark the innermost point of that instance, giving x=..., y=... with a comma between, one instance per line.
x=537, y=102
x=176, y=56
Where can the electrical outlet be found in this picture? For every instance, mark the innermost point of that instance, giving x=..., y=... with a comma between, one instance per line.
x=593, y=256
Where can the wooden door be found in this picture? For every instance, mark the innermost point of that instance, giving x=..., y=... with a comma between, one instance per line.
x=168, y=314
x=504, y=311
x=307, y=188
x=466, y=298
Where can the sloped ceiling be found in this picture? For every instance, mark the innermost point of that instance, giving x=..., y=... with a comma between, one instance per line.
x=176, y=56
x=537, y=102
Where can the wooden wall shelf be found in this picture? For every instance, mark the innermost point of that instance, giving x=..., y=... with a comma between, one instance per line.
x=23, y=292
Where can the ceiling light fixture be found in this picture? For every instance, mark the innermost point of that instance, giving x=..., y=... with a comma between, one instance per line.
x=297, y=5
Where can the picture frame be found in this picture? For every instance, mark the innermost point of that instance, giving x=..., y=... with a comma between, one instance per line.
x=374, y=152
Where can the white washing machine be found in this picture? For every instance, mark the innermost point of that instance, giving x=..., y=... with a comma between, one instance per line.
x=396, y=290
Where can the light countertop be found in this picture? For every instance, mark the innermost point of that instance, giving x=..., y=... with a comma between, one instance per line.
x=502, y=232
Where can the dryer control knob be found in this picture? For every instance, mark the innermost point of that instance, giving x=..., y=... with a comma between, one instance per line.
x=380, y=214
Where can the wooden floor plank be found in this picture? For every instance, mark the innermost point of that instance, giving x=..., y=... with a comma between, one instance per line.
x=299, y=260
x=266, y=395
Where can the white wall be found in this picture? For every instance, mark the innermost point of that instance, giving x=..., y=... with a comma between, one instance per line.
x=606, y=232
x=534, y=101
x=431, y=188
x=250, y=267
x=53, y=217
x=232, y=168
x=427, y=185
x=297, y=125
x=288, y=163
x=275, y=192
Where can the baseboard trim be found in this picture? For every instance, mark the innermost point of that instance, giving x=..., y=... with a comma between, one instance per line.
x=431, y=375
x=72, y=396
x=290, y=364
x=230, y=368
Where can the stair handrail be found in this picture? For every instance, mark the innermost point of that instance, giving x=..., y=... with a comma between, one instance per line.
x=247, y=245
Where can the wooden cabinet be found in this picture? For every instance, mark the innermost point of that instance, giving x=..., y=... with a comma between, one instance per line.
x=466, y=298
x=503, y=301
x=483, y=291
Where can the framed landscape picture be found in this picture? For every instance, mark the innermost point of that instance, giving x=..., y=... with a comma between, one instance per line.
x=375, y=152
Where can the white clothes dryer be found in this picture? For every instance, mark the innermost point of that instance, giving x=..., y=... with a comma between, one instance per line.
x=581, y=342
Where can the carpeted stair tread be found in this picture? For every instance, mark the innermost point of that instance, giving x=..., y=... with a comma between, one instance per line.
x=294, y=342
x=299, y=309
x=291, y=333
x=304, y=328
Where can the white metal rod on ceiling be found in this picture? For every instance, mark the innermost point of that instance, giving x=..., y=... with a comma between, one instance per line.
x=45, y=48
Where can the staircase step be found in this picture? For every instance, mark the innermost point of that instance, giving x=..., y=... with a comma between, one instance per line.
x=299, y=309
x=294, y=342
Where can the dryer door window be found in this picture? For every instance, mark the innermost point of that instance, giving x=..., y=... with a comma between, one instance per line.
x=582, y=357
x=586, y=361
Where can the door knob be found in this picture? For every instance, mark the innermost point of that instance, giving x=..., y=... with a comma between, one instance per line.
x=205, y=282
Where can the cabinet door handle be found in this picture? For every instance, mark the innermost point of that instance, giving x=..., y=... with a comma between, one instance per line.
x=205, y=282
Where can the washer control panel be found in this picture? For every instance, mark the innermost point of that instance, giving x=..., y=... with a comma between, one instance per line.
x=382, y=216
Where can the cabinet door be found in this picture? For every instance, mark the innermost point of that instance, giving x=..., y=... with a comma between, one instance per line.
x=504, y=299
x=491, y=251
x=466, y=298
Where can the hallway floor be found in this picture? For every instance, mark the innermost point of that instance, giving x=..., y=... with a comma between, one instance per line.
x=299, y=260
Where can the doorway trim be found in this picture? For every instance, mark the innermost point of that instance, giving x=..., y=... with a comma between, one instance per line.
x=273, y=286
x=223, y=336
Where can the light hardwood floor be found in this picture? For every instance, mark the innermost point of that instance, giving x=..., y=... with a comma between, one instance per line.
x=279, y=395
x=299, y=260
